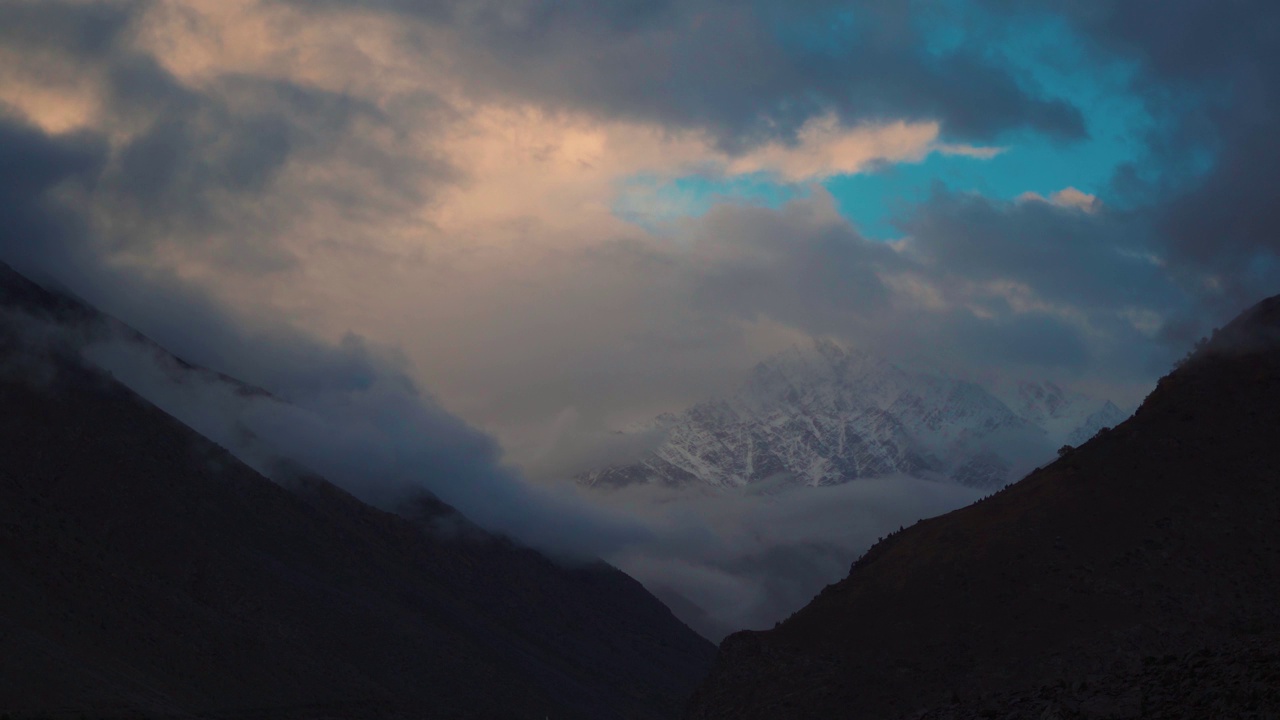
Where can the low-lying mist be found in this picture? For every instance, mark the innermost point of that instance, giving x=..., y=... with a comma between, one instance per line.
x=722, y=560
x=729, y=560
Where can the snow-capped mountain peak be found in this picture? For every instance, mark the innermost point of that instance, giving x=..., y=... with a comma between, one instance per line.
x=824, y=414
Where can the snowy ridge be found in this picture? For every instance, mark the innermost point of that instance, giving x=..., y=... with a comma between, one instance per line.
x=825, y=415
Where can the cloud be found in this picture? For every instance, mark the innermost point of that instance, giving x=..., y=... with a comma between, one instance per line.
x=254, y=170
x=63, y=29
x=976, y=285
x=823, y=148
x=726, y=561
x=722, y=560
x=34, y=168
x=346, y=413
x=346, y=410
x=1067, y=198
x=243, y=170
x=570, y=445
x=1061, y=256
x=744, y=73
x=1210, y=76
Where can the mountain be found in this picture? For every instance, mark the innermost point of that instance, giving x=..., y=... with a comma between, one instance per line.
x=826, y=415
x=1135, y=576
x=146, y=572
x=1107, y=416
x=1073, y=418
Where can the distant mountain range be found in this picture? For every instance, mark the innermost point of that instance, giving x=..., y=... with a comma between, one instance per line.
x=1136, y=576
x=825, y=415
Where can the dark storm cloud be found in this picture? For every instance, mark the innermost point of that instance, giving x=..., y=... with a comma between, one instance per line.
x=1034, y=339
x=1092, y=260
x=202, y=163
x=979, y=285
x=206, y=158
x=801, y=265
x=1039, y=284
x=48, y=236
x=810, y=269
x=745, y=72
x=1229, y=55
x=85, y=30
x=38, y=231
x=1211, y=74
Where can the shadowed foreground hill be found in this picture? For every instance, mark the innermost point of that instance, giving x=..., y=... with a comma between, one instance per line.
x=144, y=571
x=1137, y=576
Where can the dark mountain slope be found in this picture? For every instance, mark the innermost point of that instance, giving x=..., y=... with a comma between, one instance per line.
x=144, y=570
x=1153, y=548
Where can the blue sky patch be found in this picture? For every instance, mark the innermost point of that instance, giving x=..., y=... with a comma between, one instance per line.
x=1051, y=61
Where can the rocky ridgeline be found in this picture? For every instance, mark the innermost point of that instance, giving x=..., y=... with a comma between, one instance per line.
x=1135, y=576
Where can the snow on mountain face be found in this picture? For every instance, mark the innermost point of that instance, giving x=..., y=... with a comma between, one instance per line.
x=1107, y=416
x=825, y=416
x=1057, y=411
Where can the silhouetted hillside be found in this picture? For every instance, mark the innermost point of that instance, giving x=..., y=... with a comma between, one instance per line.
x=1139, y=575
x=146, y=571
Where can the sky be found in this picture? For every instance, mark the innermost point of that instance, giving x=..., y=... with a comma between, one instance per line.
x=526, y=222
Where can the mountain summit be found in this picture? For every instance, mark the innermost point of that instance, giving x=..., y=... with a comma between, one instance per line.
x=825, y=415
x=1136, y=576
